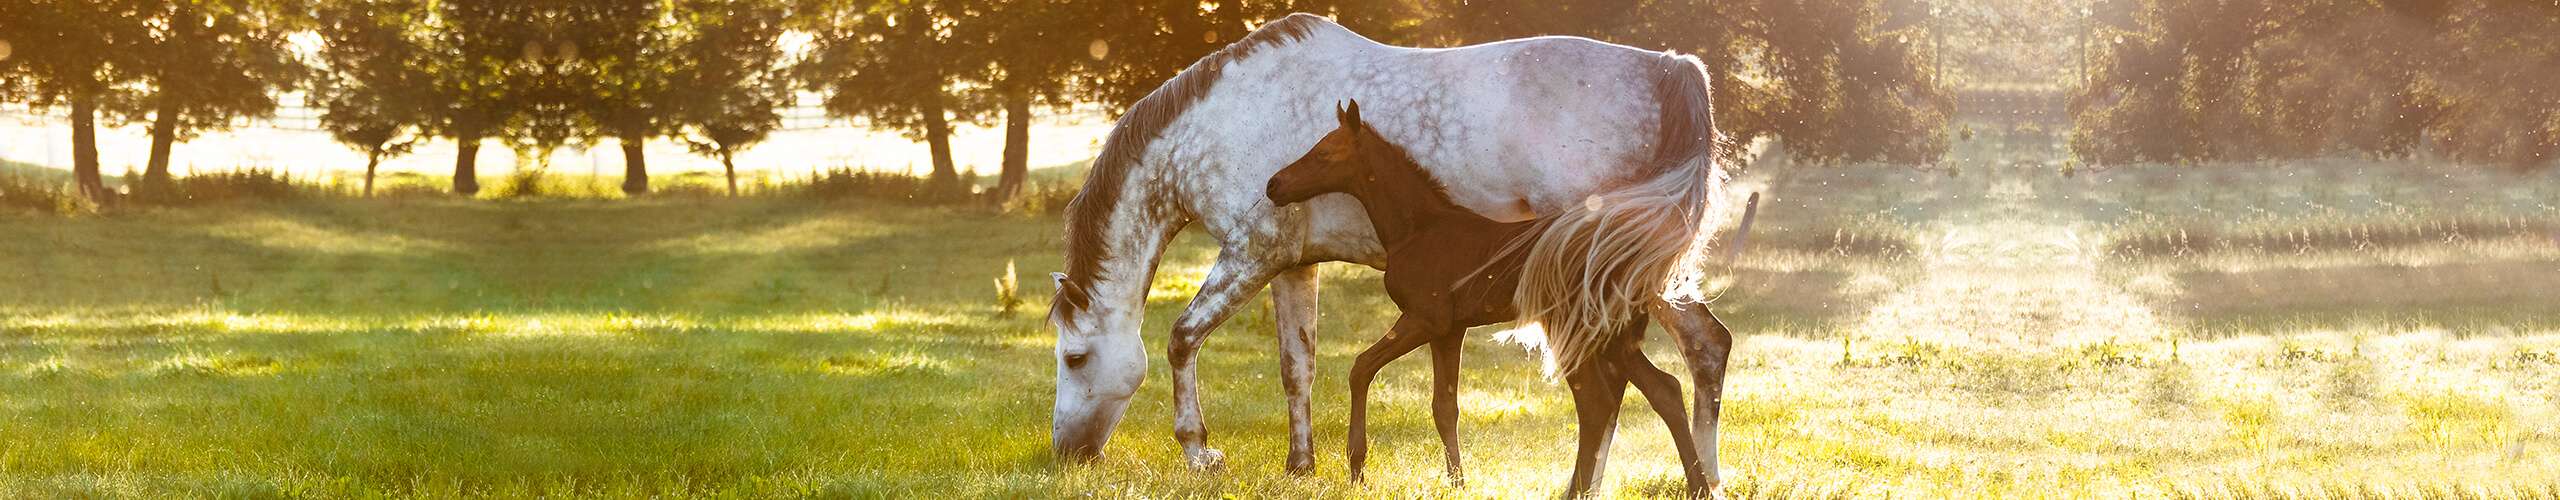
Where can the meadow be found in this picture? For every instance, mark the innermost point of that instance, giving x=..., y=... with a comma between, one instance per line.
x=2002, y=330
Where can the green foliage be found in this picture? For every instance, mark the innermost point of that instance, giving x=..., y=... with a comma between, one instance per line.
x=846, y=183
x=75, y=54
x=246, y=184
x=892, y=64
x=2192, y=80
x=476, y=54
x=209, y=63
x=537, y=184
x=373, y=95
x=49, y=197
x=729, y=87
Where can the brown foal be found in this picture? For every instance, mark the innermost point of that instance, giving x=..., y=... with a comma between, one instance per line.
x=1449, y=269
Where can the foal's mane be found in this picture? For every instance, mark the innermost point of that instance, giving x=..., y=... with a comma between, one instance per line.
x=1138, y=128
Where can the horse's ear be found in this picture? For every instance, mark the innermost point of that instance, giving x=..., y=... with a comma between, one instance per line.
x=1351, y=113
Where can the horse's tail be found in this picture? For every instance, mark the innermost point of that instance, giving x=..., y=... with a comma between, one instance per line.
x=1593, y=268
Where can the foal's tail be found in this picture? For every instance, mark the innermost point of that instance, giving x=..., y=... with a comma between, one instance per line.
x=1594, y=268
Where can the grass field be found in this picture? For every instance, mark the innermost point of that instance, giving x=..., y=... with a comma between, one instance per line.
x=1906, y=333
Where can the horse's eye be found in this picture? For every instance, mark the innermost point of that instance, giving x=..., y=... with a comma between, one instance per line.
x=1075, y=360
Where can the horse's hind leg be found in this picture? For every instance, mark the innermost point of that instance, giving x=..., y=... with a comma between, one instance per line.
x=1409, y=333
x=1705, y=344
x=1444, y=398
x=1662, y=391
x=1597, y=391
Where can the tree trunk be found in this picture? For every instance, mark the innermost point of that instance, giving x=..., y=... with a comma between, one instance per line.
x=1017, y=145
x=84, y=147
x=729, y=163
x=937, y=135
x=164, y=134
x=635, y=166
x=372, y=159
x=466, y=166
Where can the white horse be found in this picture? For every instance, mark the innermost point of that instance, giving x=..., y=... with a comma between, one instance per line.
x=1591, y=131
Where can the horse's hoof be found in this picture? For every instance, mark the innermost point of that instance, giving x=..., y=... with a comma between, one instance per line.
x=1302, y=465
x=1209, y=460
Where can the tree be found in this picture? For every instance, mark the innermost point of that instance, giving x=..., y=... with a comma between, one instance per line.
x=1139, y=44
x=75, y=54
x=208, y=62
x=730, y=87
x=623, y=77
x=892, y=62
x=372, y=93
x=2225, y=80
x=1028, y=56
x=478, y=72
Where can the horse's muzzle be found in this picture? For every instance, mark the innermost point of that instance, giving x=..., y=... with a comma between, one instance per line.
x=1074, y=446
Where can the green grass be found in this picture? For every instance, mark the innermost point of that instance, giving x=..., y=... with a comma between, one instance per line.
x=786, y=346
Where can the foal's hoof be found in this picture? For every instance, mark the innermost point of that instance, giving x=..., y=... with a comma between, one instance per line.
x=1209, y=459
x=1714, y=491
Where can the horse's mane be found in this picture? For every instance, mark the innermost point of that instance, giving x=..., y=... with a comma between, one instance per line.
x=1144, y=122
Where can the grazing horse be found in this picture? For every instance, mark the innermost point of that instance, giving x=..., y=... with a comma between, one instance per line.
x=1512, y=129
x=1449, y=269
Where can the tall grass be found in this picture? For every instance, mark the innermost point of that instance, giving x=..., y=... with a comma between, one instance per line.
x=34, y=195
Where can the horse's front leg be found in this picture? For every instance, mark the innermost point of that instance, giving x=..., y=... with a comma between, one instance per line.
x=1706, y=344
x=1411, y=331
x=1444, y=398
x=1230, y=281
x=1293, y=305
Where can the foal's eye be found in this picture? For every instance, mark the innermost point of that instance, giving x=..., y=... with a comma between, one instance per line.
x=1075, y=360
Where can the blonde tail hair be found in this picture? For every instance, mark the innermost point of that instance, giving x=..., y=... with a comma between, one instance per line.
x=1593, y=268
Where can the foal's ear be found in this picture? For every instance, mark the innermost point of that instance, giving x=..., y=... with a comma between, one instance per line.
x=1351, y=114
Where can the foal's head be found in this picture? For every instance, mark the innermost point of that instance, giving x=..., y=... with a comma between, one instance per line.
x=1353, y=153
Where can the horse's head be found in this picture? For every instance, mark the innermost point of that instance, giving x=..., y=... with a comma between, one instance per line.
x=1332, y=165
x=1101, y=363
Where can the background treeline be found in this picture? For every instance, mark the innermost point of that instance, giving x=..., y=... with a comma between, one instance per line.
x=2236, y=80
x=1841, y=79
x=1837, y=80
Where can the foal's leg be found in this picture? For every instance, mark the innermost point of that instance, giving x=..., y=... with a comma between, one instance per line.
x=1444, y=397
x=1293, y=307
x=1597, y=391
x=1411, y=331
x=1230, y=282
x=1662, y=391
x=1706, y=345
